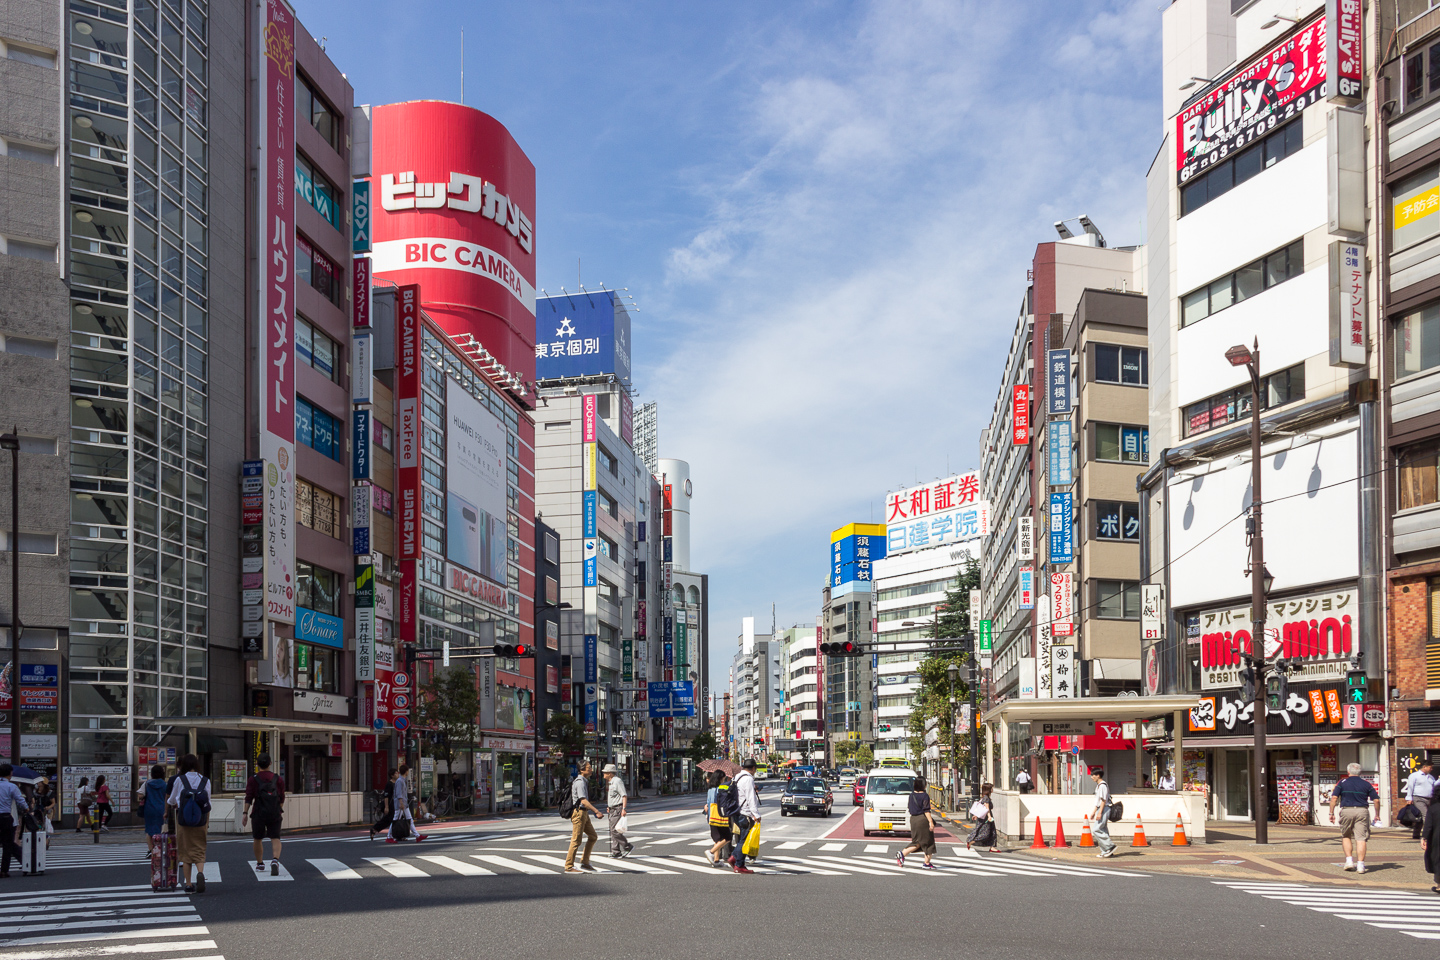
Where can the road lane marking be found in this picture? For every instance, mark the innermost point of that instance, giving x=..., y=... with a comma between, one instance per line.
x=334, y=869
x=459, y=866
x=397, y=868
x=521, y=866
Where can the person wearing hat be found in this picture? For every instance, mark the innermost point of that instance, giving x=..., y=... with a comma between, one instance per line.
x=616, y=803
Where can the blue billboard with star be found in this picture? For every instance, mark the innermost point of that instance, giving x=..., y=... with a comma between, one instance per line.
x=582, y=335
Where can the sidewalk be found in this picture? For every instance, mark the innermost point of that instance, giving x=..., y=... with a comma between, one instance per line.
x=1300, y=854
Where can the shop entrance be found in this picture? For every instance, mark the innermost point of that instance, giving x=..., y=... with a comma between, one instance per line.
x=1237, y=785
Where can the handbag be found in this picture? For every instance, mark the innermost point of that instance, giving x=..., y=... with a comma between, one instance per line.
x=979, y=810
x=751, y=846
x=1117, y=810
x=1409, y=815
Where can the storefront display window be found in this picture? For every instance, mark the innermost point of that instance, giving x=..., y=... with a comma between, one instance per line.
x=316, y=668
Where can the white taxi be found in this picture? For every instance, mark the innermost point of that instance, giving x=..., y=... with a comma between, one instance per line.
x=887, y=800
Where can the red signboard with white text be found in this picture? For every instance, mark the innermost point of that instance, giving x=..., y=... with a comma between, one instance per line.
x=1020, y=414
x=455, y=211
x=407, y=419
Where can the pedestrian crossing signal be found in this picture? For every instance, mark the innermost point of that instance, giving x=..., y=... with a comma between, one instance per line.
x=1356, y=686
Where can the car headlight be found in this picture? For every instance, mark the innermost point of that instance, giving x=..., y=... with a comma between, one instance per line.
x=869, y=807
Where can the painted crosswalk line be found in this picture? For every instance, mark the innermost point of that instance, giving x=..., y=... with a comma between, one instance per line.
x=334, y=869
x=876, y=848
x=397, y=868
x=459, y=866
x=832, y=846
x=643, y=865
x=517, y=865
x=128, y=920
x=560, y=861
x=267, y=876
x=791, y=845
x=1412, y=914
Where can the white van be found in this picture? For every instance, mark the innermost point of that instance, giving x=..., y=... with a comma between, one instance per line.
x=887, y=800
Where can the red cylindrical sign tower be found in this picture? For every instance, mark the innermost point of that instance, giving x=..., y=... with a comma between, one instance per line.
x=454, y=211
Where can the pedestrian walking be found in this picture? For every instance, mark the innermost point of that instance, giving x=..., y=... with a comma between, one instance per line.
x=616, y=805
x=580, y=810
x=1419, y=789
x=103, y=810
x=385, y=804
x=1101, y=816
x=265, y=806
x=151, y=800
x=715, y=807
x=84, y=800
x=12, y=801
x=1354, y=795
x=1167, y=781
x=748, y=814
x=1022, y=781
x=402, y=822
x=190, y=802
x=1430, y=844
x=45, y=804
x=922, y=826
x=983, y=810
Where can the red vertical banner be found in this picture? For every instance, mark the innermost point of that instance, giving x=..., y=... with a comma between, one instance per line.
x=406, y=619
x=407, y=420
x=1020, y=415
x=276, y=326
x=1345, y=49
x=587, y=418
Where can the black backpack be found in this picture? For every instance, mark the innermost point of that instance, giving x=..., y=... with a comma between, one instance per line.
x=1117, y=811
x=194, y=806
x=727, y=800
x=567, y=802
x=267, y=799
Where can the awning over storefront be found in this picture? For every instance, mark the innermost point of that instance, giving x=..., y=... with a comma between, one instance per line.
x=1273, y=740
x=251, y=724
x=1089, y=708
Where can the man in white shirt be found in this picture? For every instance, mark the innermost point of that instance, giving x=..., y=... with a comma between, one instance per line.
x=1419, y=789
x=1022, y=781
x=616, y=803
x=1167, y=781
x=749, y=813
x=1101, y=815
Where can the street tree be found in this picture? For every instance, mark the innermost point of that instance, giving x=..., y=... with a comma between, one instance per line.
x=775, y=759
x=932, y=700
x=703, y=746
x=450, y=707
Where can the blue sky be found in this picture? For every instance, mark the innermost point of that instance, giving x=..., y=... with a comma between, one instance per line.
x=824, y=210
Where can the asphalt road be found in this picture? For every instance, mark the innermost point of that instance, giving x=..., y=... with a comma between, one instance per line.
x=495, y=889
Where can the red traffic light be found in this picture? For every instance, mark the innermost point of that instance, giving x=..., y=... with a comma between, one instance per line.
x=510, y=651
x=839, y=648
x=521, y=650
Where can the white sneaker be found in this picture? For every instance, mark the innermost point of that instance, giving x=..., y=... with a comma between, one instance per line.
x=1360, y=867
x=1349, y=864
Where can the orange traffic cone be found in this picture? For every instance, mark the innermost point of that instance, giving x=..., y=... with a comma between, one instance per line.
x=1139, y=840
x=1086, y=840
x=1060, y=833
x=1039, y=843
x=1180, y=839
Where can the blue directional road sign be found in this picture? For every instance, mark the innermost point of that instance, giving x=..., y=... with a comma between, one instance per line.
x=672, y=698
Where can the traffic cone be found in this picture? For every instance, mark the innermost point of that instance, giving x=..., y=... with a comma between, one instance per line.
x=1139, y=840
x=1180, y=839
x=1085, y=839
x=1060, y=833
x=1039, y=843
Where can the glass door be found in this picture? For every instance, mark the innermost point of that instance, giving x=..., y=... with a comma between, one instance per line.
x=1237, y=785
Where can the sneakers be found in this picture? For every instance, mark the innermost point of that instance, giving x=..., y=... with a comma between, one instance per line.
x=1106, y=854
x=929, y=866
x=391, y=840
x=743, y=870
x=1349, y=863
x=1360, y=867
x=274, y=868
x=573, y=870
x=421, y=836
x=260, y=866
x=587, y=868
x=900, y=859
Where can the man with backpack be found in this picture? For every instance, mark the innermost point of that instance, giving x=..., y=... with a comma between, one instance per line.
x=746, y=812
x=1101, y=815
x=577, y=807
x=190, y=799
x=265, y=805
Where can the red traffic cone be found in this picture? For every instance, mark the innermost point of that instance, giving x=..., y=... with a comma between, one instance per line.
x=1180, y=839
x=1139, y=840
x=1039, y=843
x=1086, y=840
x=1060, y=833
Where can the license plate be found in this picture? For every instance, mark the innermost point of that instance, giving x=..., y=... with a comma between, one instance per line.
x=886, y=826
x=804, y=808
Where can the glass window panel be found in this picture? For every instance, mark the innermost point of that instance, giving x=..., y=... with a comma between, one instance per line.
x=1222, y=294
x=1132, y=366
x=1417, y=341
x=304, y=339
x=1249, y=163
x=1107, y=363
x=324, y=349
x=1107, y=442
x=1417, y=477
x=1196, y=306
x=1249, y=281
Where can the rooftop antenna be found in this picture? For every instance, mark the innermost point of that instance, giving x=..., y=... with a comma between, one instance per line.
x=462, y=66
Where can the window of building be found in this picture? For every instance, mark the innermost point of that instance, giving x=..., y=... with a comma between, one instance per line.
x=609, y=634
x=1271, y=270
x=1117, y=599
x=1416, y=474
x=1117, y=520
x=316, y=269
x=320, y=114
x=915, y=589
x=382, y=501
x=317, y=588
x=318, y=509
x=313, y=348
x=384, y=437
x=609, y=504
x=316, y=668
x=609, y=549
x=1417, y=340
x=1120, y=444
x=1280, y=388
x=317, y=190
x=316, y=429
x=607, y=462
x=607, y=591
x=1117, y=364
x=1415, y=208
x=552, y=548
x=1223, y=177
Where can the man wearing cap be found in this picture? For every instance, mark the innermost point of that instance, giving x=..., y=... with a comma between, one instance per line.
x=616, y=803
x=749, y=813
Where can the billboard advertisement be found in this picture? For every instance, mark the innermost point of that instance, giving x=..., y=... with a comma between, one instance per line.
x=854, y=548
x=1266, y=92
x=935, y=514
x=475, y=531
x=1062, y=527
x=1057, y=379
x=582, y=335
x=276, y=202
x=407, y=421
x=1062, y=465
x=453, y=202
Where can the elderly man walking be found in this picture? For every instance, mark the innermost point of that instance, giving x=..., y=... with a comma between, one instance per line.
x=1354, y=796
x=616, y=804
x=1419, y=788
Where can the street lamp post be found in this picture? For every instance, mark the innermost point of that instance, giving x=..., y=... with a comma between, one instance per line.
x=953, y=671
x=11, y=442
x=1249, y=358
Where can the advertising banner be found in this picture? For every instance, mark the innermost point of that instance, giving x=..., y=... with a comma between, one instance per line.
x=360, y=219
x=1152, y=611
x=587, y=418
x=1062, y=466
x=589, y=505
x=475, y=531
x=1020, y=415
x=1320, y=630
x=364, y=643
x=591, y=561
x=935, y=514
x=1025, y=538
x=1062, y=527
x=1062, y=604
x=627, y=419
x=360, y=445
x=1266, y=92
x=312, y=626
x=1057, y=380
x=592, y=712
x=276, y=258
x=1344, y=49
x=1027, y=588
x=1062, y=671
x=592, y=645
x=360, y=519
x=627, y=660
x=1349, y=338
x=407, y=421
x=582, y=335
x=407, y=621
x=362, y=367
x=361, y=302
x=588, y=458
x=986, y=639
x=680, y=644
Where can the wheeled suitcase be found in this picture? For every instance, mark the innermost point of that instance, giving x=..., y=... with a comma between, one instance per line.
x=32, y=852
x=163, y=865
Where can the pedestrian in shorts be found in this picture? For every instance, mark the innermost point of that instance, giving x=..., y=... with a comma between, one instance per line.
x=265, y=806
x=1354, y=795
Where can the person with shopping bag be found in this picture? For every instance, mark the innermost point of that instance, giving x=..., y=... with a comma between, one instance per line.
x=746, y=821
x=983, y=812
x=716, y=803
x=616, y=804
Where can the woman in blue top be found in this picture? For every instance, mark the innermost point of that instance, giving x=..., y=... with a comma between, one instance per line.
x=152, y=798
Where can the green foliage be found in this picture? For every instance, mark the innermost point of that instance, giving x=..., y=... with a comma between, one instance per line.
x=933, y=697
x=567, y=733
x=451, y=707
x=864, y=757
x=703, y=746
x=775, y=759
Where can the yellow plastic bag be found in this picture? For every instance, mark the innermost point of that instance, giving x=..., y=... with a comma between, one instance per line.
x=751, y=847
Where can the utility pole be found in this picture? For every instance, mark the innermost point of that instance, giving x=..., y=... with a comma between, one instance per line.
x=11, y=442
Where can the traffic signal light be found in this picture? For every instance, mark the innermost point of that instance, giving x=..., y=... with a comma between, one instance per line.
x=410, y=657
x=840, y=648
x=1356, y=686
x=1277, y=687
x=1247, y=683
x=513, y=650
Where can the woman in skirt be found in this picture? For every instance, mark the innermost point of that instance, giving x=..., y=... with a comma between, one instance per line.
x=984, y=834
x=922, y=826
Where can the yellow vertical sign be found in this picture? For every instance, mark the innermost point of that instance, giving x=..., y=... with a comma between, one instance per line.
x=589, y=465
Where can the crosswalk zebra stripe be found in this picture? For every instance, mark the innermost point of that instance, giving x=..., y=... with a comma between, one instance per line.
x=53, y=909
x=791, y=845
x=661, y=840
x=1411, y=914
x=704, y=866
x=334, y=869
x=107, y=934
x=518, y=865
x=875, y=848
x=560, y=862
x=397, y=868
x=117, y=922
x=112, y=950
x=634, y=866
x=459, y=866
x=832, y=846
x=802, y=865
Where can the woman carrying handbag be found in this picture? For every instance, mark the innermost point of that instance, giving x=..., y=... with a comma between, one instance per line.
x=983, y=811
